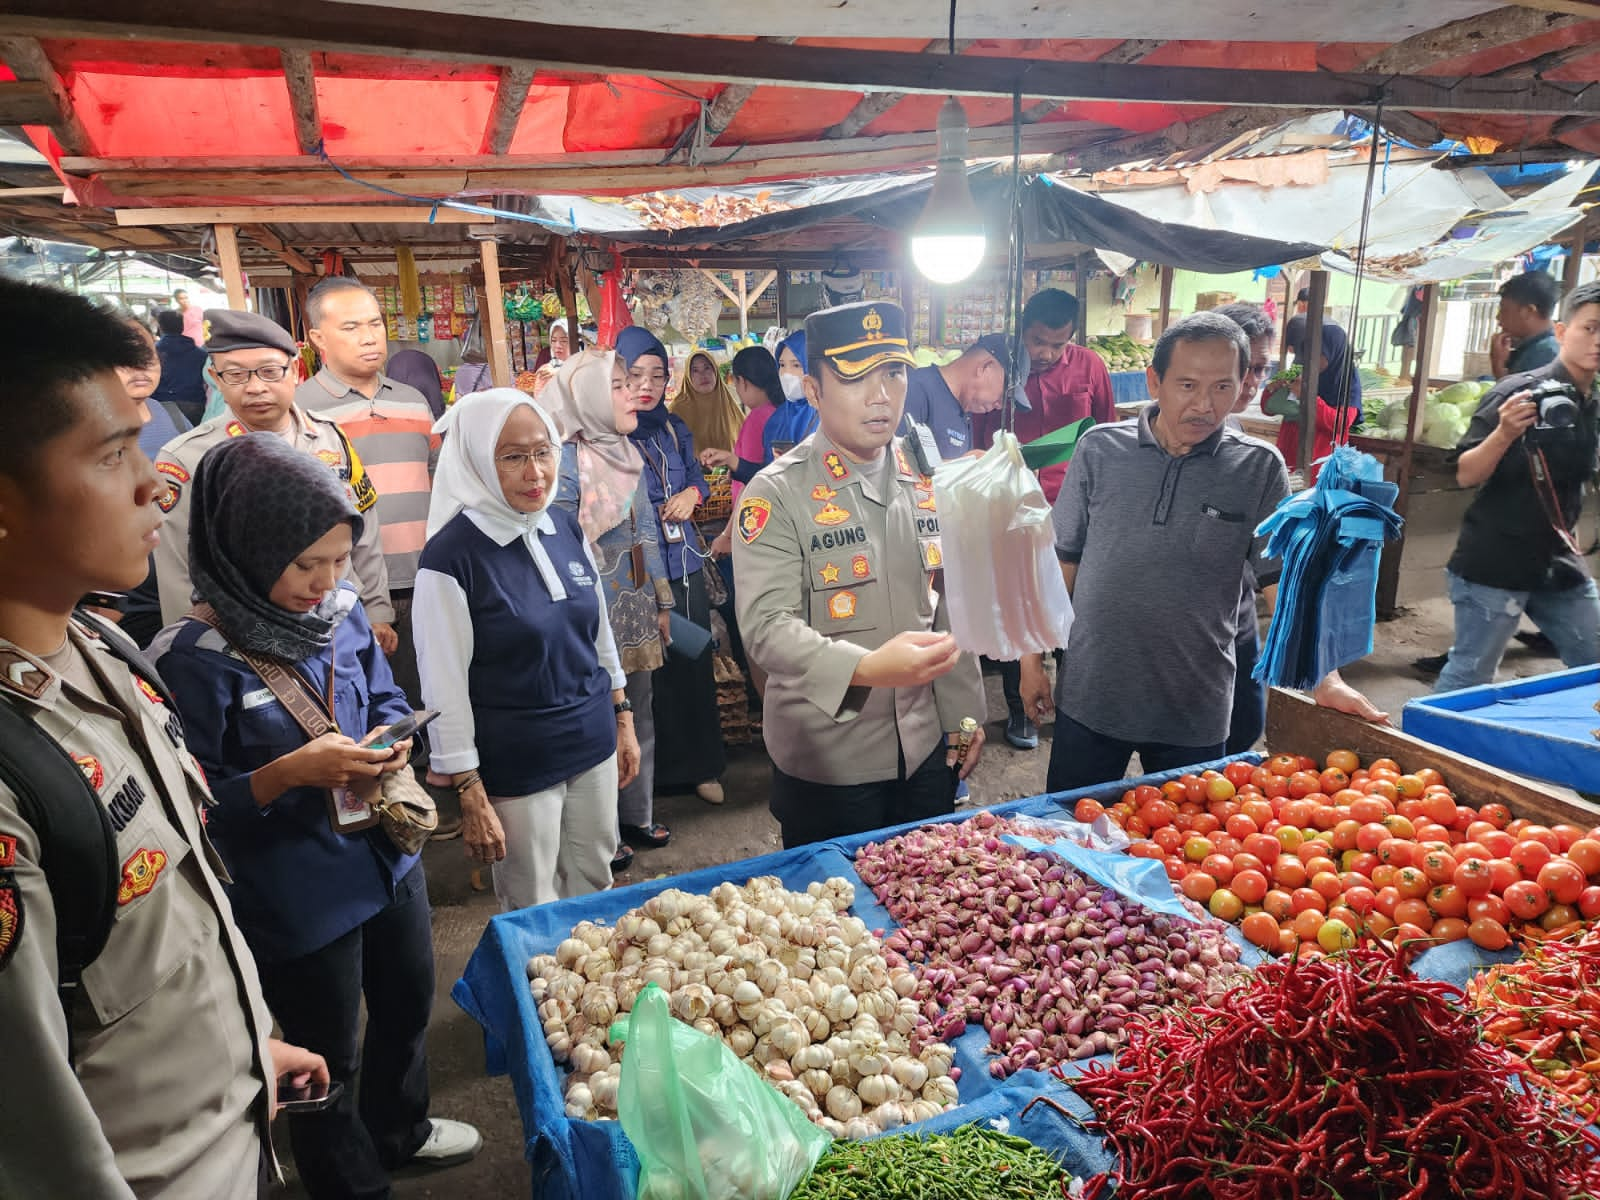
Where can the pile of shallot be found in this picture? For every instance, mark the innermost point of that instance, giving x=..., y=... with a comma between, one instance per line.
x=1049, y=962
x=790, y=981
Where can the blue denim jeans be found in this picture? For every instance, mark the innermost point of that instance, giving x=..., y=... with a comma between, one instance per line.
x=1486, y=619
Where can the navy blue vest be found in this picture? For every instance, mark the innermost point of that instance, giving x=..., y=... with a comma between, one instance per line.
x=541, y=701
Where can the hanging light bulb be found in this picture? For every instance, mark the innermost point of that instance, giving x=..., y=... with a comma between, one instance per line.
x=947, y=242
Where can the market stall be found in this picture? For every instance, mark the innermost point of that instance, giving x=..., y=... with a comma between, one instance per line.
x=572, y=1155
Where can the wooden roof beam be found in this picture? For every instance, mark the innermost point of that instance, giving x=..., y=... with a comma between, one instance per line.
x=719, y=114
x=450, y=36
x=266, y=238
x=301, y=77
x=510, y=94
x=872, y=106
x=1131, y=51
x=30, y=64
x=306, y=214
x=1498, y=27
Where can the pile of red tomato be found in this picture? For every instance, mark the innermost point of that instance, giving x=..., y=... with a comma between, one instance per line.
x=1302, y=855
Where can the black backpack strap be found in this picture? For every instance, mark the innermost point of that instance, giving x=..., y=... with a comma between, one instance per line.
x=77, y=846
x=125, y=649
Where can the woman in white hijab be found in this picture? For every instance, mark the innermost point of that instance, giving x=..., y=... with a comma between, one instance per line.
x=516, y=653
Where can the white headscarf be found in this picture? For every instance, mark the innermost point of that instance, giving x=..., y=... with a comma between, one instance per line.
x=466, y=479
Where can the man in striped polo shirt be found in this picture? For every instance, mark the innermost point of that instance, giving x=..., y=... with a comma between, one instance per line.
x=391, y=427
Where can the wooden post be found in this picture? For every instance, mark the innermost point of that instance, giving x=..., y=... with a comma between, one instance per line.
x=1316, y=306
x=1080, y=281
x=1166, y=300
x=783, y=297
x=1571, y=273
x=1389, y=567
x=744, y=303
x=228, y=261
x=495, y=310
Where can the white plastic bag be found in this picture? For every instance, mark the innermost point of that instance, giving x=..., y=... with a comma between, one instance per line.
x=1001, y=577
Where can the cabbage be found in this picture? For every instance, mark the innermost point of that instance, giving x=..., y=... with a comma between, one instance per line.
x=1466, y=394
x=1444, y=424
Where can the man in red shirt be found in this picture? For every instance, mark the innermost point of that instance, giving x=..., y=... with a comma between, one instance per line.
x=1066, y=382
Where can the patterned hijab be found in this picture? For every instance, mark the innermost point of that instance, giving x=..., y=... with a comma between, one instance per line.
x=258, y=505
x=608, y=463
x=713, y=416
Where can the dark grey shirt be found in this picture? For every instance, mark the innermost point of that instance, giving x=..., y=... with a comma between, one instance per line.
x=1161, y=543
x=931, y=403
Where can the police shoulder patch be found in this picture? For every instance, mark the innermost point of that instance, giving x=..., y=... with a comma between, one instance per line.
x=168, y=500
x=10, y=915
x=172, y=471
x=754, y=514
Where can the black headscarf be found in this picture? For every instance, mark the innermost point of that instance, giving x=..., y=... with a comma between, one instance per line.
x=257, y=505
x=418, y=369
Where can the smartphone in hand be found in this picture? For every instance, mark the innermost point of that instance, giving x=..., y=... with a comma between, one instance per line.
x=309, y=1097
x=400, y=730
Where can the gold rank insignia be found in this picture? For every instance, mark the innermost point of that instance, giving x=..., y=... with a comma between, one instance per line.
x=139, y=874
x=753, y=516
x=331, y=457
x=925, y=498
x=823, y=492
x=234, y=429
x=829, y=573
x=903, y=462
x=831, y=514
x=859, y=567
x=842, y=606
x=834, y=465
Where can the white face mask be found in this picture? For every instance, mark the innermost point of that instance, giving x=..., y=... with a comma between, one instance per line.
x=794, y=387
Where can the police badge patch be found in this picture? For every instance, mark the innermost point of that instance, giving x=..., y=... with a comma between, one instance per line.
x=10, y=901
x=168, y=500
x=753, y=517
x=139, y=874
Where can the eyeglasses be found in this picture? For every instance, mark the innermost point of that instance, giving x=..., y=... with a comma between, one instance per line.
x=516, y=464
x=239, y=376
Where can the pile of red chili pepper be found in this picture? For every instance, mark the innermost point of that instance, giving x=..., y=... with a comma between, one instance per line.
x=1331, y=1078
x=1545, y=1010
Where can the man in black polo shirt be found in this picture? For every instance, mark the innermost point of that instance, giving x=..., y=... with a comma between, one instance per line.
x=1527, y=337
x=1518, y=551
x=1155, y=525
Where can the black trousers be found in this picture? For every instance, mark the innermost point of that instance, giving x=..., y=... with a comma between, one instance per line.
x=1249, y=695
x=815, y=812
x=1080, y=757
x=347, y=1151
x=689, y=749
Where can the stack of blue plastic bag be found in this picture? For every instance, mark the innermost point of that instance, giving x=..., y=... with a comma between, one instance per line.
x=1329, y=539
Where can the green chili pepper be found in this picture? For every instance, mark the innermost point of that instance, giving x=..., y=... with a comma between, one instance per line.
x=972, y=1163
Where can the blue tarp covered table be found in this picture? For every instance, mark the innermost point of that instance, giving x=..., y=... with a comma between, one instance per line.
x=1129, y=387
x=1540, y=726
x=593, y=1160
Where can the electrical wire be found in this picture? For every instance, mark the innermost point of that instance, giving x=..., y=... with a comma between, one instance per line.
x=1341, y=422
x=1014, y=269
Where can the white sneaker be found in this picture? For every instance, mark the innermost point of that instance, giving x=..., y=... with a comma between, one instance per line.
x=449, y=1144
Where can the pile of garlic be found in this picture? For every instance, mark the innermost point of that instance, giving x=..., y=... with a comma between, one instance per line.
x=790, y=981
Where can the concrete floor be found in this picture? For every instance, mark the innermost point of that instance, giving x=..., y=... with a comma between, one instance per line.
x=704, y=835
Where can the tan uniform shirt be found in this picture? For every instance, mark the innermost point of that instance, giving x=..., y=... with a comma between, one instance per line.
x=313, y=435
x=170, y=1029
x=831, y=559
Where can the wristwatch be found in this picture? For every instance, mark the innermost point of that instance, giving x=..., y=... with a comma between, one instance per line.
x=625, y=707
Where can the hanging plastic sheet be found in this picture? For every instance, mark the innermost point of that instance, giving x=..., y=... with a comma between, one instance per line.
x=1001, y=578
x=1329, y=539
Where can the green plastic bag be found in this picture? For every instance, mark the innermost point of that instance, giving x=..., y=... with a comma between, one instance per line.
x=705, y=1125
x=1057, y=446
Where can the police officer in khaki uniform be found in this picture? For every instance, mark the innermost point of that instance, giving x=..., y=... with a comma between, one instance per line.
x=837, y=562
x=252, y=360
x=163, y=1087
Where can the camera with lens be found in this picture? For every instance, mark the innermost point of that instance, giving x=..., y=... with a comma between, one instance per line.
x=1557, y=402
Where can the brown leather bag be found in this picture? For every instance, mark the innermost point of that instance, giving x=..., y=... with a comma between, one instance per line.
x=404, y=809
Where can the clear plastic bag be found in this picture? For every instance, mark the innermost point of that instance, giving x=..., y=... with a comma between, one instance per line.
x=705, y=1125
x=1001, y=578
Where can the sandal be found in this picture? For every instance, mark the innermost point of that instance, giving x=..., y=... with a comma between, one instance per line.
x=621, y=860
x=653, y=838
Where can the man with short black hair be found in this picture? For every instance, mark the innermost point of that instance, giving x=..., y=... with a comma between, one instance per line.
x=155, y=1074
x=1154, y=528
x=391, y=427
x=1066, y=382
x=193, y=318
x=183, y=366
x=945, y=399
x=1532, y=445
x=1527, y=337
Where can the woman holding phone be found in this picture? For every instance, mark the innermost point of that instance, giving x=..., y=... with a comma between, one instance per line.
x=332, y=910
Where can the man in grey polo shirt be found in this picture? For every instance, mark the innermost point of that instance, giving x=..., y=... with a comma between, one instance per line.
x=1154, y=527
